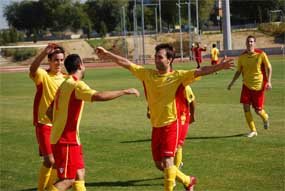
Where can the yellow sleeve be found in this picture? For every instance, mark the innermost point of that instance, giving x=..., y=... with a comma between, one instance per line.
x=138, y=71
x=188, y=77
x=84, y=92
x=189, y=95
x=39, y=76
x=239, y=65
x=265, y=60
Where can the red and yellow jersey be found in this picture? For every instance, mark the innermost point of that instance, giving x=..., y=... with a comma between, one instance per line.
x=215, y=54
x=252, y=66
x=46, y=84
x=67, y=110
x=160, y=90
x=198, y=51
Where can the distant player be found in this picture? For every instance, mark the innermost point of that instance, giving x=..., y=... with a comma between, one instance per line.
x=67, y=111
x=161, y=86
x=47, y=82
x=198, y=53
x=256, y=72
x=214, y=55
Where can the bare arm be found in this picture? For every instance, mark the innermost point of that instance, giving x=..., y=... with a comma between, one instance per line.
x=192, y=106
x=36, y=63
x=223, y=65
x=269, y=74
x=105, y=54
x=236, y=76
x=109, y=95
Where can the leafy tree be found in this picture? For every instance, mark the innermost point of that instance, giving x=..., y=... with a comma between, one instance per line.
x=108, y=11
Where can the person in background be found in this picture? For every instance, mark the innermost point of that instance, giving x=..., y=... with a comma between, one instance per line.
x=256, y=72
x=198, y=53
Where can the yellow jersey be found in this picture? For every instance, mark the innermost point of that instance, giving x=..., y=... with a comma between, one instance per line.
x=215, y=54
x=252, y=66
x=67, y=110
x=160, y=90
x=46, y=84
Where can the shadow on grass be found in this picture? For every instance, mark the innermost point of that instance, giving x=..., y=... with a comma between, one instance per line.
x=126, y=183
x=191, y=138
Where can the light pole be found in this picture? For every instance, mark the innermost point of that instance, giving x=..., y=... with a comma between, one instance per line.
x=227, y=25
x=142, y=31
x=180, y=30
x=197, y=19
x=135, y=25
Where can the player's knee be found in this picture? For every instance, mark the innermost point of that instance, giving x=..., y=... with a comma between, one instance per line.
x=80, y=174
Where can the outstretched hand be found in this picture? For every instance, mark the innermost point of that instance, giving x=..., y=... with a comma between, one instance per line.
x=100, y=51
x=132, y=91
x=227, y=63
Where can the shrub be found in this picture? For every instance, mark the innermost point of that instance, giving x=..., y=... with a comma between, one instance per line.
x=274, y=29
x=19, y=54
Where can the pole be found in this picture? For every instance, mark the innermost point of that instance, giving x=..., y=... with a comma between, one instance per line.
x=156, y=27
x=181, y=38
x=135, y=59
x=197, y=19
x=125, y=34
x=189, y=25
x=227, y=25
x=143, y=32
x=160, y=24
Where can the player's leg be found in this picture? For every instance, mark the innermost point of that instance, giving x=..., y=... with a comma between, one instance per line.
x=79, y=184
x=258, y=102
x=43, y=137
x=178, y=157
x=249, y=120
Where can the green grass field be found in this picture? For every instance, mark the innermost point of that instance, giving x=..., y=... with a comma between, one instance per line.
x=116, y=136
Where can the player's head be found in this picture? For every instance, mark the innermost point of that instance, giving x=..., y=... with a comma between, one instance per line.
x=56, y=59
x=214, y=45
x=250, y=43
x=74, y=64
x=164, y=56
x=198, y=44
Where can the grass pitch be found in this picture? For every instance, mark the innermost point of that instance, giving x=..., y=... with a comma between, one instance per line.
x=116, y=136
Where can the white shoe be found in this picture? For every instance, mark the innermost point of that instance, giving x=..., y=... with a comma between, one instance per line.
x=252, y=134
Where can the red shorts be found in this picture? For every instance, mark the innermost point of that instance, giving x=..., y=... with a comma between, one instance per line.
x=183, y=130
x=68, y=159
x=43, y=137
x=164, y=141
x=252, y=97
x=214, y=62
x=198, y=60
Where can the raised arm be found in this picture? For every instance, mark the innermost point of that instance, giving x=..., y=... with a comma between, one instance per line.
x=109, y=95
x=236, y=76
x=224, y=64
x=36, y=63
x=105, y=54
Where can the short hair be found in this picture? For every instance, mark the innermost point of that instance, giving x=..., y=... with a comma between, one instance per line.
x=214, y=45
x=170, y=51
x=72, y=63
x=251, y=36
x=57, y=50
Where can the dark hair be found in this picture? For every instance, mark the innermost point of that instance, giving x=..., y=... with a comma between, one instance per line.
x=170, y=51
x=250, y=36
x=57, y=50
x=214, y=45
x=72, y=63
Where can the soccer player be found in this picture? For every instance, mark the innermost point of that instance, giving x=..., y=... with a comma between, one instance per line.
x=256, y=71
x=214, y=55
x=160, y=87
x=67, y=110
x=47, y=82
x=198, y=53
